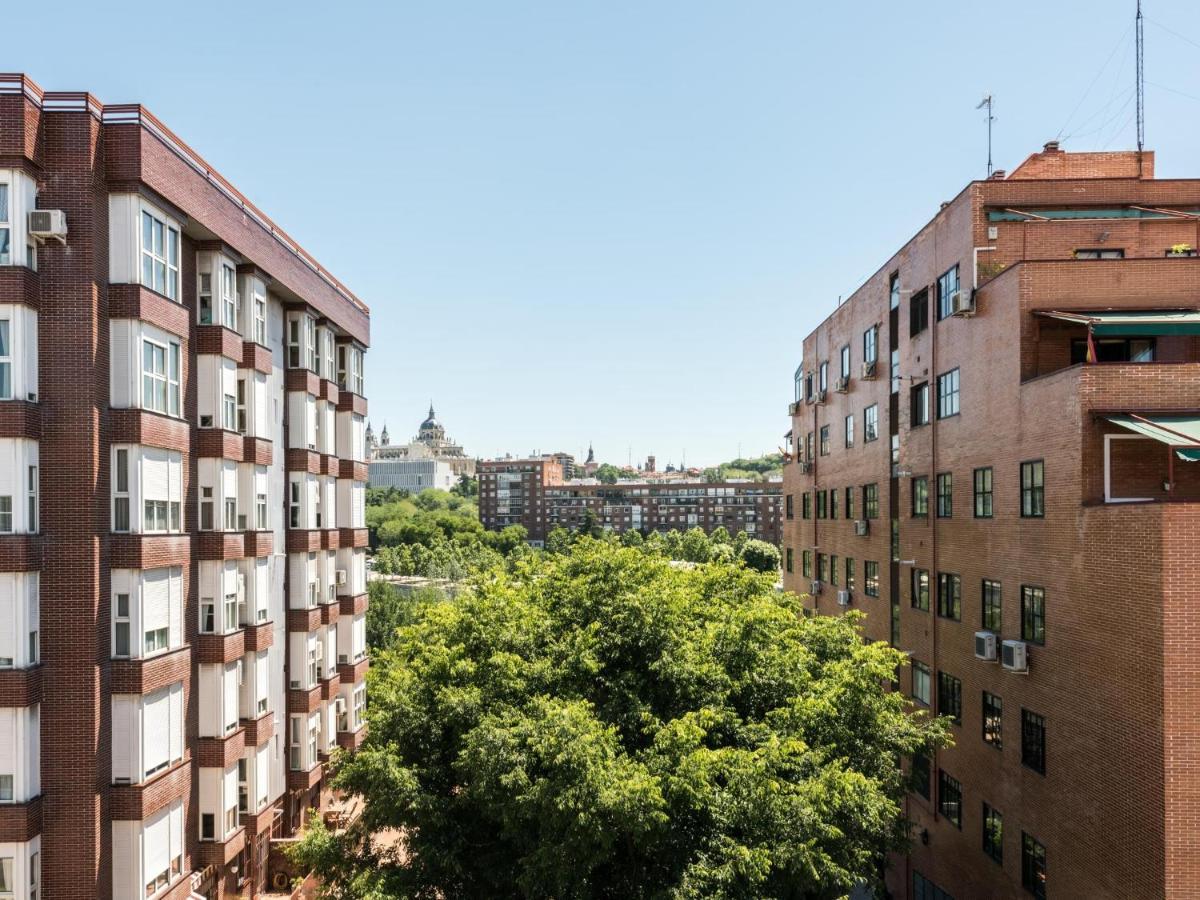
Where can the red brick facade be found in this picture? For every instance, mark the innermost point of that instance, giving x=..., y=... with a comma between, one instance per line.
x=1111, y=674
x=79, y=152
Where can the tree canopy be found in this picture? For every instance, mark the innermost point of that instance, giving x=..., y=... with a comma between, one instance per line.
x=601, y=723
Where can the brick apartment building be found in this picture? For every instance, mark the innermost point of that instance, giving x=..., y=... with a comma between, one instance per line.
x=182, y=569
x=1002, y=479
x=533, y=493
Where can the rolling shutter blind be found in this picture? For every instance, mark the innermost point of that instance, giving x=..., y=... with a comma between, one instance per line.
x=262, y=675
x=229, y=480
x=156, y=599
x=125, y=735
x=176, y=607
x=156, y=845
x=156, y=474
x=176, y=723
x=175, y=464
x=8, y=616
x=229, y=712
x=156, y=730
x=176, y=828
x=358, y=495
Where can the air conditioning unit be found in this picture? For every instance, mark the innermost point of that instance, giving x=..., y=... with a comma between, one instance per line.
x=793, y=408
x=48, y=223
x=843, y=598
x=985, y=645
x=842, y=384
x=868, y=369
x=339, y=576
x=862, y=526
x=821, y=396
x=1014, y=656
x=962, y=304
x=814, y=588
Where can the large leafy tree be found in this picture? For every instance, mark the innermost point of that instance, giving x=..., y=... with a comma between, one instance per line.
x=601, y=724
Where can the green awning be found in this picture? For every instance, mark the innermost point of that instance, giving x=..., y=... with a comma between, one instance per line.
x=1181, y=432
x=1131, y=322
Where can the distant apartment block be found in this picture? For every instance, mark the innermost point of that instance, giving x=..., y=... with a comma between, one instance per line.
x=995, y=445
x=533, y=493
x=182, y=540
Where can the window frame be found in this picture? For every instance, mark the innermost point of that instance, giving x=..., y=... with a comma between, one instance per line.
x=170, y=378
x=1033, y=614
x=919, y=589
x=950, y=798
x=1033, y=741
x=871, y=423
x=919, y=496
x=948, y=285
x=150, y=260
x=922, y=686
x=983, y=496
x=1033, y=865
x=992, y=719
x=949, y=696
x=991, y=605
x=871, y=578
x=948, y=394
x=918, y=405
x=949, y=601
x=993, y=833
x=1033, y=493
x=918, y=312
x=945, y=495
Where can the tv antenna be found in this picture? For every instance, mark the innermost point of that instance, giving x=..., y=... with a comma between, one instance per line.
x=987, y=103
x=1139, y=41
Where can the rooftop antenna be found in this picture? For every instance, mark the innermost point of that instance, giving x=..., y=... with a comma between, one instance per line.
x=1141, y=83
x=987, y=103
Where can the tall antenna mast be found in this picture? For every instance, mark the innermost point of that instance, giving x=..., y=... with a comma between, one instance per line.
x=987, y=103
x=1141, y=83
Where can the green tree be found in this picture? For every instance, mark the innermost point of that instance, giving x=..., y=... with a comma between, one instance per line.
x=467, y=487
x=695, y=546
x=632, y=538
x=720, y=535
x=607, y=473
x=761, y=556
x=558, y=540
x=604, y=725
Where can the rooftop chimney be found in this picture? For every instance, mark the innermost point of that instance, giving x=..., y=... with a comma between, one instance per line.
x=998, y=175
x=1050, y=147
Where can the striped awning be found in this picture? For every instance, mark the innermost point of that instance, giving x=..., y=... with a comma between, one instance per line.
x=1179, y=432
x=1130, y=322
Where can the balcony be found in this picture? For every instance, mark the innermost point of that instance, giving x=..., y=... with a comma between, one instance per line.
x=140, y=801
x=20, y=687
x=19, y=284
x=305, y=540
x=258, y=543
x=132, y=301
x=303, y=380
x=330, y=392
x=222, y=752
x=305, y=700
x=352, y=740
x=305, y=779
x=220, y=545
x=304, y=620
x=330, y=684
x=20, y=419
x=223, y=852
x=355, y=672
x=221, y=444
x=355, y=537
x=139, y=426
x=259, y=637
x=220, y=648
x=301, y=460
x=143, y=676
x=20, y=822
x=353, y=605
x=256, y=357
x=329, y=612
x=258, y=450
x=219, y=340
x=149, y=551
x=353, y=403
x=257, y=731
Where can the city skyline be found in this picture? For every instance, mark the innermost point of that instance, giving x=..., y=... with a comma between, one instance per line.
x=557, y=181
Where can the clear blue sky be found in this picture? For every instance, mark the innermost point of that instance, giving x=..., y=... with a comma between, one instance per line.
x=613, y=221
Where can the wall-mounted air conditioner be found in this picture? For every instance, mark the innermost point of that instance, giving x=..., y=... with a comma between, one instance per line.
x=1014, y=656
x=985, y=645
x=862, y=526
x=843, y=598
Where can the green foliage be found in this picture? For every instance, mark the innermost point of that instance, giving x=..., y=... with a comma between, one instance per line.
x=607, y=473
x=761, y=556
x=756, y=469
x=601, y=724
x=389, y=608
x=467, y=487
x=632, y=538
x=436, y=534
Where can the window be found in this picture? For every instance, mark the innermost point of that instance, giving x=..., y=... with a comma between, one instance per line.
x=205, y=292
x=920, y=775
x=1033, y=489
x=806, y=564
x=1033, y=741
x=808, y=446
x=833, y=570
x=991, y=605
x=5, y=244
x=6, y=515
x=947, y=388
x=894, y=290
x=7, y=885
x=919, y=405
x=207, y=509
x=1101, y=253
x=824, y=440
x=947, y=287
x=920, y=589
x=6, y=789
x=822, y=504
x=229, y=316
x=920, y=496
x=160, y=256
x=949, y=698
x=949, y=596
x=918, y=313
x=1033, y=614
x=849, y=574
x=6, y=388
x=924, y=889
x=870, y=501
x=31, y=491
x=808, y=386
x=260, y=321
x=920, y=682
x=983, y=493
x=993, y=834
x=945, y=495
x=231, y=523
x=822, y=567
x=1033, y=866
x=895, y=371
x=993, y=720
x=871, y=578
x=788, y=559
x=870, y=345
x=294, y=505
x=790, y=506
x=229, y=415
x=160, y=377
x=950, y=798
x=833, y=503
x=35, y=875
x=208, y=827
x=845, y=360
x=823, y=379
x=121, y=490
x=848, y=430
x=121, y=625
x=806, y=505
x=1108, y=350
x=871, y=423
x=849, y=503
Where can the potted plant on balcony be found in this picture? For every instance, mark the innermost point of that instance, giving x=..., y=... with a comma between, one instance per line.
x=1181, y=250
